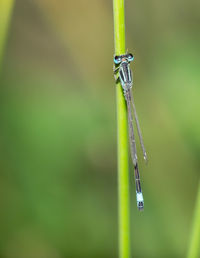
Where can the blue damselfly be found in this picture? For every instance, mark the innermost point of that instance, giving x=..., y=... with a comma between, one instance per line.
x=122, y=66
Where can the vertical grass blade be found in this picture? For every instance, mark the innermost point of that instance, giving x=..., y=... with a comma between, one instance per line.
x=122, y=138
x=6, y=7
x=194, y=248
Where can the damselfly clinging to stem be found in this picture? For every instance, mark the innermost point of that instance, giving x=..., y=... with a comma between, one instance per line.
x=122, y=66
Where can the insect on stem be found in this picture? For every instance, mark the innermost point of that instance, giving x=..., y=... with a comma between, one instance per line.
x=122, y=66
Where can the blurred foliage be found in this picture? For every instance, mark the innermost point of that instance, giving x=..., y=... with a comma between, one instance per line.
x=6, y=7
x=58, y=177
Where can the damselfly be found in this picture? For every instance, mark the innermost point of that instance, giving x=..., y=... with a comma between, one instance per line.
x=122, y=65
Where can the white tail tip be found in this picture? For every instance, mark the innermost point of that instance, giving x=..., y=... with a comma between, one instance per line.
x=140, y=201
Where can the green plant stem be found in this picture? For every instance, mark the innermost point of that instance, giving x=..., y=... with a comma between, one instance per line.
x=194, y=248
x=122, y=138
x=6, y=7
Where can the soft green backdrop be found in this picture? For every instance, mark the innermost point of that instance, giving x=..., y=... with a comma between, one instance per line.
x=58, y=174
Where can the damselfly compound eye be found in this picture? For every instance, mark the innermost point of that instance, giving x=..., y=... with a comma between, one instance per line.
x=130, y=57
x=117, y=59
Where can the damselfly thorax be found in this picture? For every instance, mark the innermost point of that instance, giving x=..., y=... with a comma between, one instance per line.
x=123, y=66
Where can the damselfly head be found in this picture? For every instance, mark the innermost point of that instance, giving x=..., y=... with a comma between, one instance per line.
x=128, y=57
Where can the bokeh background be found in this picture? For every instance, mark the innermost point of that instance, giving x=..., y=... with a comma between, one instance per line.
x=58, y=172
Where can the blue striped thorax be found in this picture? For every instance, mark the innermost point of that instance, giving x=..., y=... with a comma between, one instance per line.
x=122, y=64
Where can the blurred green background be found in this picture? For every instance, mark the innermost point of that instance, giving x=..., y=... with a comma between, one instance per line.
x=58, y=180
